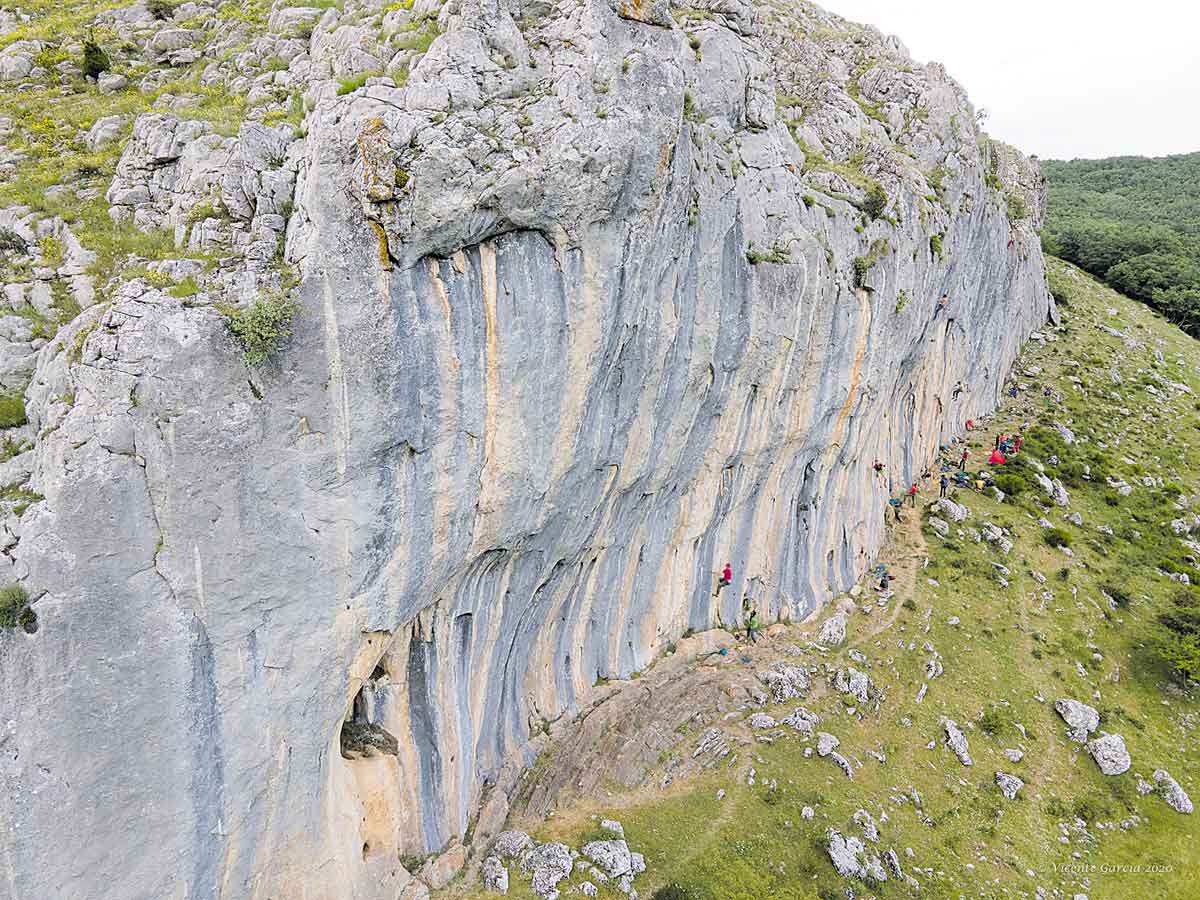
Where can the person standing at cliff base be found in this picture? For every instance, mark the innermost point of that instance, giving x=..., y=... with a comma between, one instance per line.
x=912, y=494
x=945, y=484
x=752, y=627
x=962, y=462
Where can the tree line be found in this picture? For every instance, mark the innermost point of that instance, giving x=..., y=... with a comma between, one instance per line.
x=1134, y=223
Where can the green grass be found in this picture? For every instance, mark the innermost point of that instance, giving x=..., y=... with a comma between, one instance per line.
x=1009, y=646
x=12, y=409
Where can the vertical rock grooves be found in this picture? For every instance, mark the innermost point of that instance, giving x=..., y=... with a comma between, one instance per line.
x=655, y=296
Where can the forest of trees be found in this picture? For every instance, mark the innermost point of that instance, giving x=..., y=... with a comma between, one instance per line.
x=1135, y=223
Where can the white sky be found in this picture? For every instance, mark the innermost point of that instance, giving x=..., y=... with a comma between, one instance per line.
x=1062, y=78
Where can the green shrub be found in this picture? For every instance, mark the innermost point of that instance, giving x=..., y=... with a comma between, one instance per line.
x=1017, y=209
x=12, y=410
x=1120, y=595
x=876, y=201
x=11, y=242
x=1057, y=537
x=15, y=610
x=261, y=328
x=1178, y=640
x=95, y=60
x=864, y=264
x=935, y=245
x=1012, y=483
x=778, y=254
x=161, y=9
x=671, y=892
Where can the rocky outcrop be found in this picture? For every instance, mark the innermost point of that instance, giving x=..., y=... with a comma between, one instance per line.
x=584, y=309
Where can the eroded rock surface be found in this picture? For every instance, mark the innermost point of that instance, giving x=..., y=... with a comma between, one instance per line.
x=583, y=312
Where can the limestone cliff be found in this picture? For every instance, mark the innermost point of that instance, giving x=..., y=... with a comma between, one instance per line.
x=593, y=298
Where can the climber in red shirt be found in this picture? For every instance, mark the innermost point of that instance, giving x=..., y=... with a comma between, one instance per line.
x=962, y=463
x=726, y=577
x=912, y=494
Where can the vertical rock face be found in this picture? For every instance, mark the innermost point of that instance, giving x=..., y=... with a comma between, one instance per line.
x=597, y=301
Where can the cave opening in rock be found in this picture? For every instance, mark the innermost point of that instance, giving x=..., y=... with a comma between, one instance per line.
x=361, y=736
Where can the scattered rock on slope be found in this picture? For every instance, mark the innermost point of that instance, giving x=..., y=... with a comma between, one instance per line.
x=1110, y=754
x=956, y=741
x=1172, y=792
x=1081, y=719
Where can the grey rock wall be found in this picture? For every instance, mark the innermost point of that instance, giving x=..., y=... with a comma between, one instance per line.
x=537, y=395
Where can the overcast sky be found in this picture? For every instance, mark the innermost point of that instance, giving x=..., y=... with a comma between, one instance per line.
x=1062, y=78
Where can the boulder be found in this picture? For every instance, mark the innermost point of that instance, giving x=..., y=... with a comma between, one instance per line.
x=826, y=743
x=850, y=859
x=956, y=741
x=786, y=682
x=1110, y=754
x=951, y=510
x=833, y=631
x=547, y=865
x=1009, y=784
x=612, y=857
x=802, y=720
x=494, y=875
x=512, y=844
x=1081, y=719
x=111, y=82
x=1172, y=792
x=105, y=131
x=855, y=683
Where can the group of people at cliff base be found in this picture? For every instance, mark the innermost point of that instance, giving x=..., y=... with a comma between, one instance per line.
x=750, y=620
x=953, y=467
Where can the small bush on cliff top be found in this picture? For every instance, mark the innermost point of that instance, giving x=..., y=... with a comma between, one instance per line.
x=261, y=328
x=14, y=608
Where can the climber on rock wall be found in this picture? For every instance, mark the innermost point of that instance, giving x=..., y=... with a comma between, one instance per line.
x=726, y=577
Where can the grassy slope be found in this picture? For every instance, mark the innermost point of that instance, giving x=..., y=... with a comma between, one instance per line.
x=1007, y=648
